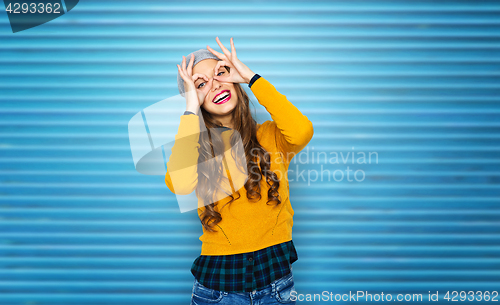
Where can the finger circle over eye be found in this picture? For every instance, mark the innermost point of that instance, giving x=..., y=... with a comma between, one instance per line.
x=219, y=64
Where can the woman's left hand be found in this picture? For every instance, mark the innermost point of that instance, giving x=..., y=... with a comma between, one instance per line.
x=239, y=72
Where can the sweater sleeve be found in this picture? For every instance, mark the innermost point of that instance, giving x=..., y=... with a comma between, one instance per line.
x=182, y=171
x=294, y=129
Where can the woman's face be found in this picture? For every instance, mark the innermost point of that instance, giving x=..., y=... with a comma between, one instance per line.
x=213, y=103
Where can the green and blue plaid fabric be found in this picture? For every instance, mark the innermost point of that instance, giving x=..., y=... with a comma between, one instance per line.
x=245, y=272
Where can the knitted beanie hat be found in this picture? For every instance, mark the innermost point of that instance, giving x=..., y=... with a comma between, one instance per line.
x=199, y=55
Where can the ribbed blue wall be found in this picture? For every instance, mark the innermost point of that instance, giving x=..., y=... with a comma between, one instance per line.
x=417, y=82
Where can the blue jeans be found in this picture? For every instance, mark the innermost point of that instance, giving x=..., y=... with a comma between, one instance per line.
x=278, y=292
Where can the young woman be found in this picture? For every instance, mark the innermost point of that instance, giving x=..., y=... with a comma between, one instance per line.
x=247, y=250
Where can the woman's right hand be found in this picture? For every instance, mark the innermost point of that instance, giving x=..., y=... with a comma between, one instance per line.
x=194, y=96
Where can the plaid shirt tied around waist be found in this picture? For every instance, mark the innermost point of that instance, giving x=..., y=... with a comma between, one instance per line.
x=245, y=272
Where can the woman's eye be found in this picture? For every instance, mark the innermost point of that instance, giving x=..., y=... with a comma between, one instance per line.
x=220, y=73
x=199, y=86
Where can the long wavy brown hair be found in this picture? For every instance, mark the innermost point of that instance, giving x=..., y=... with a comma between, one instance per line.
x=210, y=173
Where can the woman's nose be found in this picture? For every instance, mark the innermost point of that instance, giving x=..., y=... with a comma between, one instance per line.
x=215, y=84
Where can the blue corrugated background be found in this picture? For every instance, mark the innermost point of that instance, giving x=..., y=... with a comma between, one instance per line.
x=418, y=82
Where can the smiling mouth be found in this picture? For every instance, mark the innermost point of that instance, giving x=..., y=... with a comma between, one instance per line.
x=222, y=97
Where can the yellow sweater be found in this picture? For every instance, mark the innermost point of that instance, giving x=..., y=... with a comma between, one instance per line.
x=246, y=226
